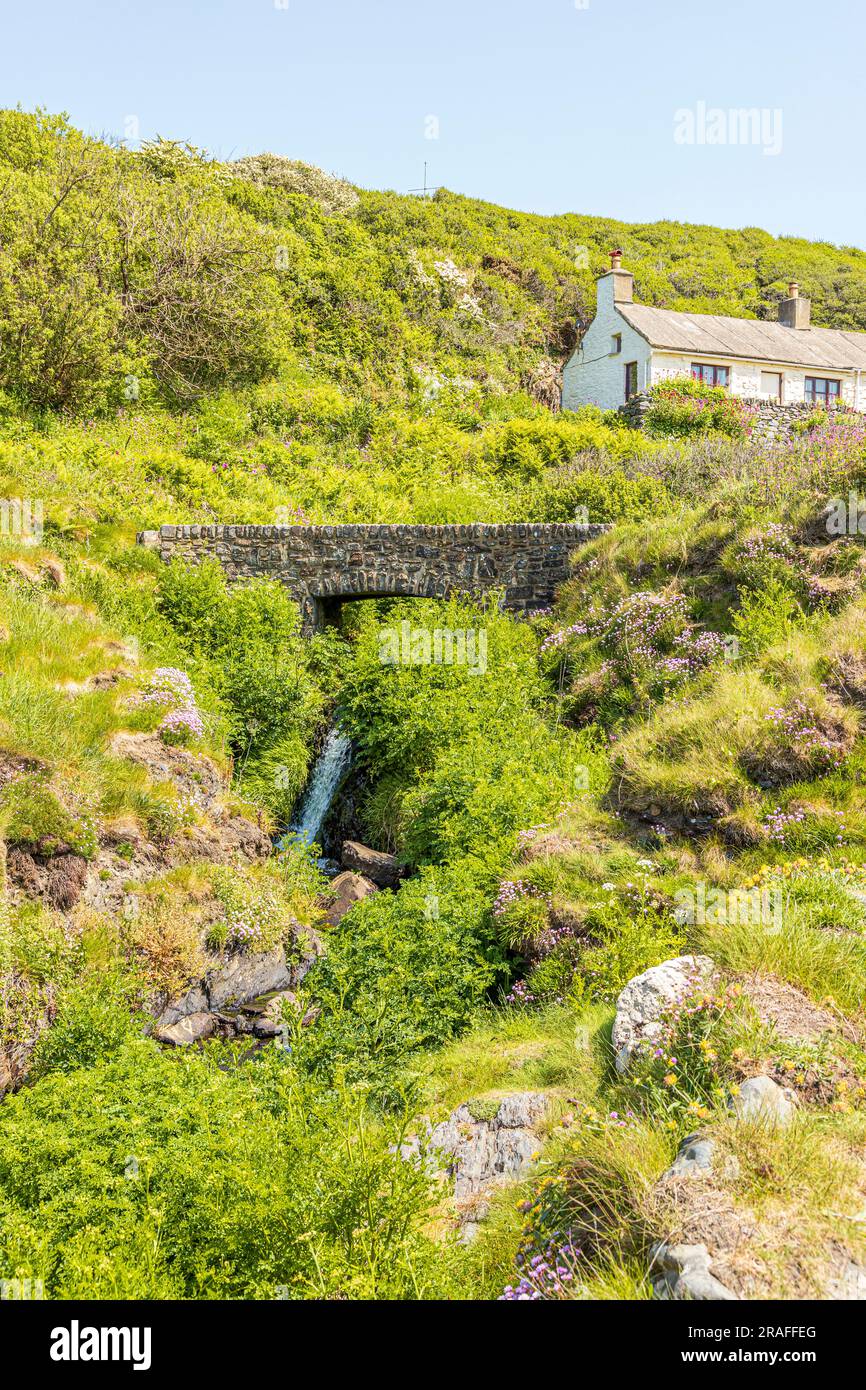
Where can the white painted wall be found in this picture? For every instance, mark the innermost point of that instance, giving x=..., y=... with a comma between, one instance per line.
x=595, y=376
x=746, y=376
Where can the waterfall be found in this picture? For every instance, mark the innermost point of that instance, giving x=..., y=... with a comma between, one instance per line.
x=330, y=768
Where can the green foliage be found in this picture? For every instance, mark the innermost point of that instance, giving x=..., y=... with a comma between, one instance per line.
x=598, y=496
x=248, y=639
x=31, y=814
x=405, y=972
x=92, y=1024
x=766, y=616
x=157, y=1176
x=347, y=356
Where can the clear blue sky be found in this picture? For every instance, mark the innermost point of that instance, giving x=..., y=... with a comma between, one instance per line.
x=541, y=104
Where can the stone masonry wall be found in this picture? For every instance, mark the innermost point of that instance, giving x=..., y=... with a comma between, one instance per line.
x=772, y=420
x=323, y=565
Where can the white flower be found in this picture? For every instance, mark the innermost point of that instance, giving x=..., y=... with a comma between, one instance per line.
x=608, y=887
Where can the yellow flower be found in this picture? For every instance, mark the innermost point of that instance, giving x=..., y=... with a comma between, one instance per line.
x=670, y=1079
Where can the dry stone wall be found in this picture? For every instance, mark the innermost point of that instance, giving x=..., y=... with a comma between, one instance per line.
x=770, y=419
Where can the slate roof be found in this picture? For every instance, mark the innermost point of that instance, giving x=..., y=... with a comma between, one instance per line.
x=714, y=335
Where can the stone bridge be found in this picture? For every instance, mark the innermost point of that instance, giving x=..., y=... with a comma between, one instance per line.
x=324, y=566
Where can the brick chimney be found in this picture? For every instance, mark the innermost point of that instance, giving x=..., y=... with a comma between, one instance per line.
x=795, y=312
x=616, y=286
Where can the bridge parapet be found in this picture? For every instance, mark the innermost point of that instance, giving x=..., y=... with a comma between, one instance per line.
x=322, y=566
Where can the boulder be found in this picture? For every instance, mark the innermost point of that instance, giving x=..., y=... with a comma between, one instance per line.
x=682, y=1272
x=245, y=976
x=264, y=1027
x=647, y=997
x=697, y=1157
x=194, y=1028
x=193, y=1002
x=346, y=890
x=694, y=1158
x=762, y=1099
x=382, y=868
x=488, y=1142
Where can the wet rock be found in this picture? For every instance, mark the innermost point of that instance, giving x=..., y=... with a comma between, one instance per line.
x=194, y=1028
x=682, y=1272
x=266, y=1027
x=346, y=890
x=761, y=1099
x=647, y=997
x=383, y=869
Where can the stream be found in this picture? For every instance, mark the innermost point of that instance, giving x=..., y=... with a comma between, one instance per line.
x=328, y=772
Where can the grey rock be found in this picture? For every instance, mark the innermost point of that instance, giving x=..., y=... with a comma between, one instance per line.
x=647, y=997
x=193, y=1028
x=243, y=977
x=483, y=1151
x=682, y=1272
x=266, y=1027
x=193, y=1002
x=761, y=1099
x=695, y=1157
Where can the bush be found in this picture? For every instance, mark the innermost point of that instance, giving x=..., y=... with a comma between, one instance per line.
x=91, y=1026
x=683, y=408
x=157, y=1176
x=248, y=640
x=404, y=973
x=599, y=496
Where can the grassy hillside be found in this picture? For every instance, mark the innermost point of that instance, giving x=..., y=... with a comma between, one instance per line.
x=186, y=340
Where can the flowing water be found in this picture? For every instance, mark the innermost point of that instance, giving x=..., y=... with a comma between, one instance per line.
x=330, y=768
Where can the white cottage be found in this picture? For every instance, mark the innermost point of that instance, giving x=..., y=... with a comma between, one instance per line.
x=629, y=347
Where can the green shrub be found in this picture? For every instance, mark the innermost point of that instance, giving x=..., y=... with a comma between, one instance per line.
x=91, y=1026
x=405, y=972
x=599, y=496
x=684, y=408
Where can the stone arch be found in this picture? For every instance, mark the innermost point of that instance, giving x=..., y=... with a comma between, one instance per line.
x=321, y=607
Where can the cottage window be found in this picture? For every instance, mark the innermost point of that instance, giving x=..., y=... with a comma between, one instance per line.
x=710, y=374
x=616, y=343
x=821, y=390
x=630, y=380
